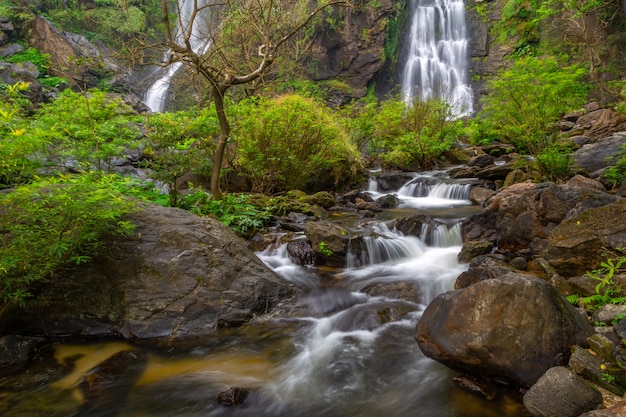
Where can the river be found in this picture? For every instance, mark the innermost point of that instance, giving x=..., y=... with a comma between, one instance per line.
x=344, y=350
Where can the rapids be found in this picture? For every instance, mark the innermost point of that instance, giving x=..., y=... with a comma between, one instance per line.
x=340, y=352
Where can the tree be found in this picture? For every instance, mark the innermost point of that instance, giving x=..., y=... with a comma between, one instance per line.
x=245, y=39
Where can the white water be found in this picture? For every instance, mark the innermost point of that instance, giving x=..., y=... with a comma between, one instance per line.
x=348, y=363
x=437, y=64
x=199, y=39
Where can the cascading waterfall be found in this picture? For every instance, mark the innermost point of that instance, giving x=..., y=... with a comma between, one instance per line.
x=156, y=95
x=437, y=64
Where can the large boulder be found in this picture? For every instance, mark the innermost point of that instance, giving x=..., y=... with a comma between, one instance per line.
x=578, y=244
x=180, y=276
x=519, y=218
x=511, y=329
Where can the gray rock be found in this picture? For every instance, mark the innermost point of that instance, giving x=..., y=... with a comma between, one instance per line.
x=561, y=393
x=512, y=328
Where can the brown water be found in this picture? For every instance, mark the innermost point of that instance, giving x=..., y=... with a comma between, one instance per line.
x=338, y=358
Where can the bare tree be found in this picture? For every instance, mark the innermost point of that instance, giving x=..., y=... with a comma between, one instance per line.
x=244, y=40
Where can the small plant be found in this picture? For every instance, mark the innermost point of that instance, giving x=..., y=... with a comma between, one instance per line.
x=606, y=290
x=607, y=377
x=233, y=210
x=324, y=249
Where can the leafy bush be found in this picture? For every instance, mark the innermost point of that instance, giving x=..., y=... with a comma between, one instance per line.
x=86, y=131
x=527, y=101
x=616, y=174
x=32, y=55
x=415, y=136
x=233, y=210
x=53, y=224
x=177, y=143
x=293, y=142
x=555, y=162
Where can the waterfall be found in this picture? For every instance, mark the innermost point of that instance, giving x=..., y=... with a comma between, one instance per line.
x=437, y=60
x=198, y=28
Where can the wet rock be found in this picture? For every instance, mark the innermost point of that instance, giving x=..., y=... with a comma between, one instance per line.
x=561, y=393
x=392, y=180
x=478, y=195
x=366, y=205
x=233, y=397
x=521, y=217
x=16, y=352
x=301, y=252
x=388, y=201
x=481, y=387
x=177, y=277
x=106, y=386
x=578, y=243
x=483, y=267
x=511, y=328
x=330, y=242
x=473, y=249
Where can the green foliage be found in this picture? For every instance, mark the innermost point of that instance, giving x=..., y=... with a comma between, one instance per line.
x=616, y=174
x=86, y=130
x=233, y=210
x=293, y=142
x=177, y=143
x=32, y=55
x=520, y=22
x=527, y=101
x=53, y=224
x=324, y=249
x=555, y=162
x=391, y=47
x=19, y=152
x=606, y=290
x=415, y=136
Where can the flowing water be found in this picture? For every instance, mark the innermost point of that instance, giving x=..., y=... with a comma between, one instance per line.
x=197, y=25
x=437, y=64
x=343, y=351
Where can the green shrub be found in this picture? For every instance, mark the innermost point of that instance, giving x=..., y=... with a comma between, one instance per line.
x=527, y=100
x=555, y=162
x=234, y=210
x=293, y=142
x=87, y=130
x=53, y=224
x=413, y=137
x=616, y=174
x=177, y=143
x=32, y=55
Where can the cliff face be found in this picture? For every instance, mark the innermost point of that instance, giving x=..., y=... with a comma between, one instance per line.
x=353, y=45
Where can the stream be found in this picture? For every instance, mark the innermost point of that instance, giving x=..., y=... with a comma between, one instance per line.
x=345, y=349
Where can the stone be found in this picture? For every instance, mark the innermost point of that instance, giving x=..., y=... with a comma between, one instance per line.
x=600, y=154
x=180, y=276
x=561, y=393
x=233, y=397
x=521, y=217
x=473, y=249
x=578, y=243
x=511, y=329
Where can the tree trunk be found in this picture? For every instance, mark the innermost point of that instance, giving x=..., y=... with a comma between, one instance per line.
x=218, y=97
